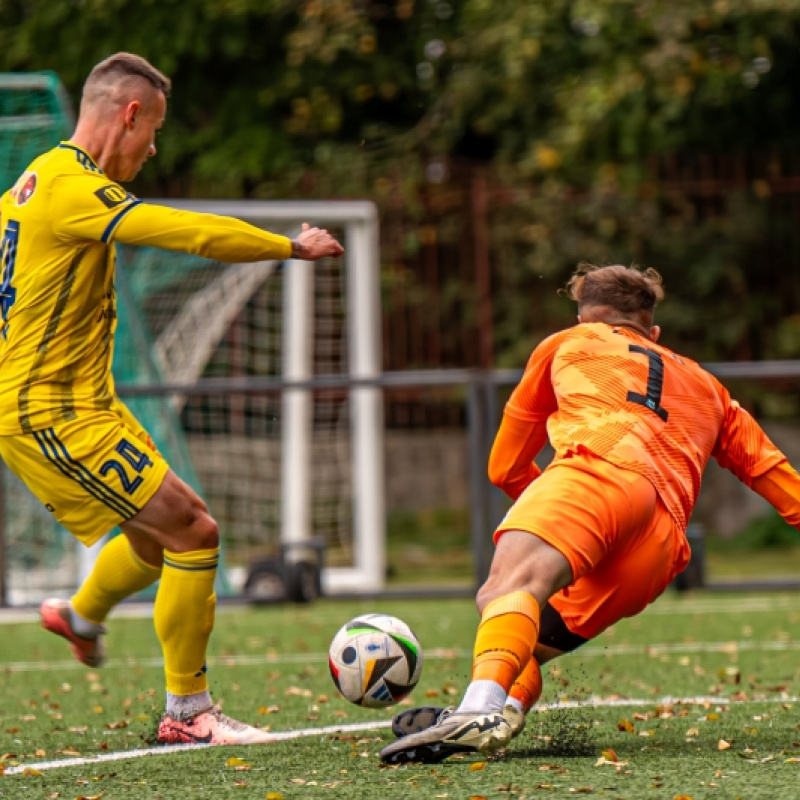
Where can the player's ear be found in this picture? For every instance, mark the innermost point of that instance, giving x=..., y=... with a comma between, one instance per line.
x=655, y=332
x=132, y=112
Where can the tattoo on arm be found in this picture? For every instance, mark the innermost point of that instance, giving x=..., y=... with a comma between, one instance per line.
x=299, y=250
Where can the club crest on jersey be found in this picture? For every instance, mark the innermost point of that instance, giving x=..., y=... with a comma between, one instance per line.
x=24, y=188
x=112, y=195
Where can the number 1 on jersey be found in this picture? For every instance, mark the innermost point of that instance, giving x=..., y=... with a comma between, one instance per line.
x=655, y=382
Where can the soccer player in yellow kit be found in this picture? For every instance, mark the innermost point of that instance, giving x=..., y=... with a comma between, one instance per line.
x=64, y=432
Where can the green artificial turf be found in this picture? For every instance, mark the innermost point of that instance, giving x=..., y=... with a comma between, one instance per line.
x=268, y=666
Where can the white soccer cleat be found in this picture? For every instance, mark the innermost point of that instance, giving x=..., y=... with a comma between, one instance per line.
x=454, y=732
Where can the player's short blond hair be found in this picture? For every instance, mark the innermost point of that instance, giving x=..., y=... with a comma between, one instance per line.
x=114, y=78
x=626, y=289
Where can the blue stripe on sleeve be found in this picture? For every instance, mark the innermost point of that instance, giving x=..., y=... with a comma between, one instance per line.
x=114, y=222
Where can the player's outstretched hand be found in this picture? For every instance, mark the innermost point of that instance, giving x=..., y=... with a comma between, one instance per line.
x=314, y=243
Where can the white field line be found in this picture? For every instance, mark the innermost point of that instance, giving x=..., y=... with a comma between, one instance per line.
x=595, y=702
x=439, y=654
x=668, y=605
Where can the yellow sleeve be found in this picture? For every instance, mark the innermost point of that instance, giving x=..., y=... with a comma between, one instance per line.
x=89, y=206
x=209, y=235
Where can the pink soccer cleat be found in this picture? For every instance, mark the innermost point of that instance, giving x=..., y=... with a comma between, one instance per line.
x=210, y=727
x=55, y=616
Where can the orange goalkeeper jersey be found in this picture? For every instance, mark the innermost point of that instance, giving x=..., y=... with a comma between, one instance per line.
x=612, y=392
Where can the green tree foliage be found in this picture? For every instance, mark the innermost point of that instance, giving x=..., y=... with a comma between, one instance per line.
x=604, y=126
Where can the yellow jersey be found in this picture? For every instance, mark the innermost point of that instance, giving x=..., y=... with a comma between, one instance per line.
x=58, y=309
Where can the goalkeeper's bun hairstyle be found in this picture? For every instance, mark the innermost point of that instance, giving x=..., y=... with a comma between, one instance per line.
x=627, y=289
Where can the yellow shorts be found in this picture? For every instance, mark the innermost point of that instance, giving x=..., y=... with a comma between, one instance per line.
x=92, y=473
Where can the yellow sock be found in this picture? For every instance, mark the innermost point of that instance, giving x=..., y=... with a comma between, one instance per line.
x=118, y=573
x=506, y=638
x=184, y=617
x=527, y=688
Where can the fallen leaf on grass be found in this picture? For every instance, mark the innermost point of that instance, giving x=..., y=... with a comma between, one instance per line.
x=296, y=691
x=477, y=797
x=604, y=762
x=723, y=744
x=625, y=725
x=477, y=766
x=610, y=754
x=32, y=771
x=273, y=796
x=90, y=796
x=582, y=790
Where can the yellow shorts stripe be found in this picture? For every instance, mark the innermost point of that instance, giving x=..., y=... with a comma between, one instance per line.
x=55, y=451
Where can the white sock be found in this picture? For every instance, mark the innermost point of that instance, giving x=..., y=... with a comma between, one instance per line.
x=483, y=697
x=84, y=628
x=185, y=707
x=514, y=703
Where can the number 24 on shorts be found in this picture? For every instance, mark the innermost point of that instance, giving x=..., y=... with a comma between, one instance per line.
x=135, y=458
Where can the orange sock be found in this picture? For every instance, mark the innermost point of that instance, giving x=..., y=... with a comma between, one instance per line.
x=527, y=689
x=506, y=638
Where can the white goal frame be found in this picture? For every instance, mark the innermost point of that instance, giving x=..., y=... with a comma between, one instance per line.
x=359, y=218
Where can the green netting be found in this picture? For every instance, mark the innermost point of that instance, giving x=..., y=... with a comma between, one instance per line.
x=134, y=363
x=140, y=273
x=35, y=115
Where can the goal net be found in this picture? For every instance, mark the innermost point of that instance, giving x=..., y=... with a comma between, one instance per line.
x=35, y=114
x=258, y=383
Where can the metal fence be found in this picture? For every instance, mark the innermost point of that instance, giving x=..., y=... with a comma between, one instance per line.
x=421, y=470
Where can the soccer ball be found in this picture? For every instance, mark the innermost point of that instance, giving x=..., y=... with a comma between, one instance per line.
x=375, y=660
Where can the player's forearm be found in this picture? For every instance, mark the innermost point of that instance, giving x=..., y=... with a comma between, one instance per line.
x=222, y=238
x=511, y=465
x=780, y=486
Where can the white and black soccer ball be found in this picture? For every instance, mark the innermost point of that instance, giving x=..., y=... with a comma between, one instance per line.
x=375, y=660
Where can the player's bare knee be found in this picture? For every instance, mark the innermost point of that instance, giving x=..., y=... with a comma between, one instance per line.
x=204, y=532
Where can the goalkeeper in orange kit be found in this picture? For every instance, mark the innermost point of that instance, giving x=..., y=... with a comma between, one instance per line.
x=601, y=532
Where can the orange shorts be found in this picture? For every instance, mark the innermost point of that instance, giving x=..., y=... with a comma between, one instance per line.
x=622, y=544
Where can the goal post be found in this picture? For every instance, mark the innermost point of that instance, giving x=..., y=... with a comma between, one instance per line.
x=280, y=458
x=358, y=222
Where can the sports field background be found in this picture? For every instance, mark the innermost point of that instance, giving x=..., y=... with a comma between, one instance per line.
x=736, y=656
